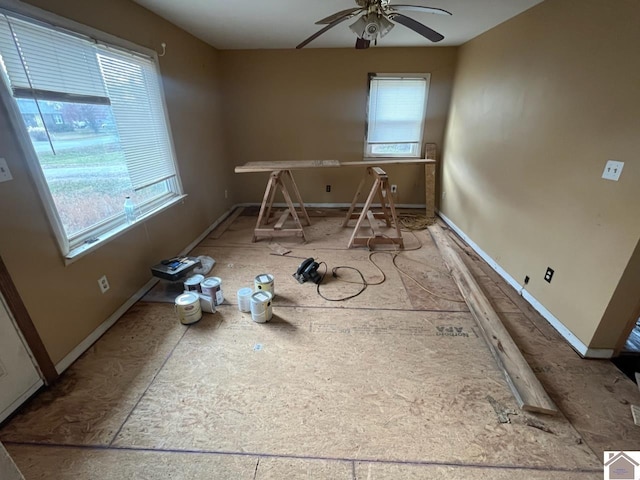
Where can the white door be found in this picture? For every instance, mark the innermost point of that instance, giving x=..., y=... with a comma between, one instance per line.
x=19, y=378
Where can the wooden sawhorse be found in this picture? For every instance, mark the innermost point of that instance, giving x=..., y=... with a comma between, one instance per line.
x=381, y=188
x=276, y=180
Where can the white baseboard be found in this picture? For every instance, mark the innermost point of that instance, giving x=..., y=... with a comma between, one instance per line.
x=574, y=341
x=113, y=318
x=74, y=354
x=334, y=205
x=209, y=229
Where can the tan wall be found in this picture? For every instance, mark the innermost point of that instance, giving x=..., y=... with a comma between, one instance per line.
x=65, y=302
x=311, y=104
x=540, y=103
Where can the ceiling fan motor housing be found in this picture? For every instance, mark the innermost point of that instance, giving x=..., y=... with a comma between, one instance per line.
x=371, y=26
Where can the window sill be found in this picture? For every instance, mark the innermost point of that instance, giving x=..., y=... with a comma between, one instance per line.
x=391, y=157
x=83, y=250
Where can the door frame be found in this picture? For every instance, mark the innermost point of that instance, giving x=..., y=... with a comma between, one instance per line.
x=24, y=323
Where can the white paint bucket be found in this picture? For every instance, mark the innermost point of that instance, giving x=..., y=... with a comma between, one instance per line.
x=265, y=282
x=192, y=283
x=207, y=304
x=261, y=309
x=244, y=299
x=212, y=286
x=187, y=308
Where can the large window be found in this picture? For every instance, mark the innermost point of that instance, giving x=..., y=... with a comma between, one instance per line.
x=94, y=114
x=395, y=116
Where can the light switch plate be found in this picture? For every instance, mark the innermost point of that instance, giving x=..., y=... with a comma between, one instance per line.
x=612, y=170
x=5, y=174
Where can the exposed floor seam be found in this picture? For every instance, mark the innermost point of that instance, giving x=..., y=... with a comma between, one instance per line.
x=153, y=379
x=379, y=309
x=306, y=457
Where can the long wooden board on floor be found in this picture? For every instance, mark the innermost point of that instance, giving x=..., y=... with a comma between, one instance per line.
x=526, y=388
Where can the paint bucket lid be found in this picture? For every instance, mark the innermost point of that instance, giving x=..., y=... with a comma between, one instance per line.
x=264, y=278
x=261, y=297
x=187, y=298
x=245, y=292
x=211, y=282
x=194, y=280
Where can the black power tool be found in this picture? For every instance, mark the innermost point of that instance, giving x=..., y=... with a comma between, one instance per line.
x=308, y=270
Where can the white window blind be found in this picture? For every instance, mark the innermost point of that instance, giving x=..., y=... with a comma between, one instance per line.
x=96, y=111
x=396, y=110
x=44, y=60
x=53, y=65
x=135, y=99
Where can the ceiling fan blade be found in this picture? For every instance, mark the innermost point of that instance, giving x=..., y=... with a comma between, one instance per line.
x=321, y=31
x=332, y=18
x=419, y=8
x=362, y=44
x=416, y=27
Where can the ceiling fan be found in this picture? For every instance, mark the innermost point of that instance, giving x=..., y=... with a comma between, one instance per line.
x=375, y=21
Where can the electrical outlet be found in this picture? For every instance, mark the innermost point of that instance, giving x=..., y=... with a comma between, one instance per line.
x=612, y=170
x=394, y=188
x=103, y=283
x=226, y=194
x=549, y=274
x=5, y=174
x=327, y=188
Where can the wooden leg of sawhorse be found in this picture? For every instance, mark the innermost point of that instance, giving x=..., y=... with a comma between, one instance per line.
x=276, y=180
x=381, y=188
x=296, y=192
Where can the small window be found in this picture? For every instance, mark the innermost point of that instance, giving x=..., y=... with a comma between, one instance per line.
x=395, y=115
x=95, y=116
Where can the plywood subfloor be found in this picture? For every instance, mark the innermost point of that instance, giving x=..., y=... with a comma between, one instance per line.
x=395, y=383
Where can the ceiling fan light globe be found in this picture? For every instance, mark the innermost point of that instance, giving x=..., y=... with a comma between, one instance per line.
x=385, y=26
x=371, y=26
x=359, y=27
x=371, y=31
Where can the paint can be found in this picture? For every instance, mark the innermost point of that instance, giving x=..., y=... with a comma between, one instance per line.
x=207, y=304
x=261, y=309
x=192, y=283
x=264, y=282
x=244, y=299
x=212, y=287
x=187, y=308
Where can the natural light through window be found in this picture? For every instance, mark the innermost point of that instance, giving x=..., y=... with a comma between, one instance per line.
x=395, y=115
x=94, y=114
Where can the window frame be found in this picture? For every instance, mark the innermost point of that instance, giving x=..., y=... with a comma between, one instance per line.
x=417, y=153
x=112, y=227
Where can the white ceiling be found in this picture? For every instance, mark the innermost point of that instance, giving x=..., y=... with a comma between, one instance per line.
x=253, y=24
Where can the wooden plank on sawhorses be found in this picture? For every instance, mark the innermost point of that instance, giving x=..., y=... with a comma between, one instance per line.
x=525, y=386
x=277, y=181
x=254, y=167
x=381, y=189
x=430, y=167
